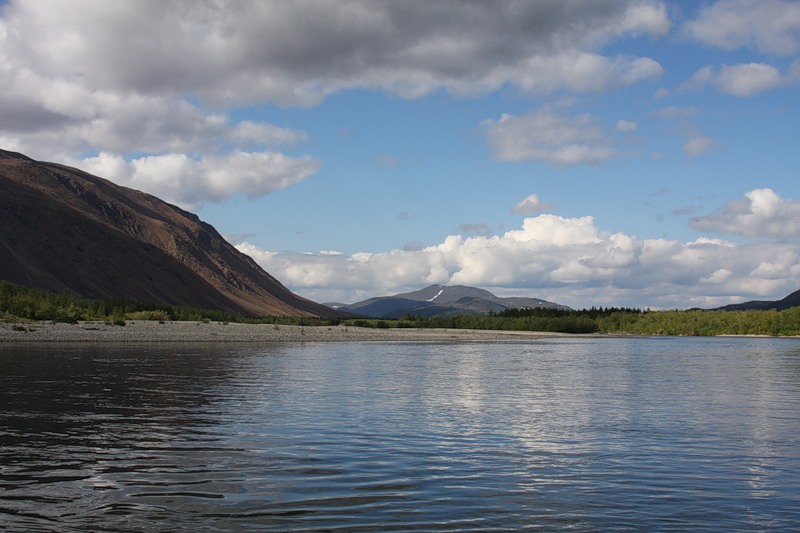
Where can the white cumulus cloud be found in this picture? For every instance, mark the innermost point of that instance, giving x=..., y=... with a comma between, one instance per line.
x=532, y=204
x=189, y=182
x=770, y=26
x=698, y=145
x=761, y=213
x=580, y=72
x=546, y=135
x=747, y=80
x=741, y=80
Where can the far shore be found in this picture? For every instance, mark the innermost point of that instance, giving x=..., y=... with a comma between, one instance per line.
x=191, y=331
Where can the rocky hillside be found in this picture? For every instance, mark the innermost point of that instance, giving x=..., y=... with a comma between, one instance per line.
x=63, y=229
x=441, y=300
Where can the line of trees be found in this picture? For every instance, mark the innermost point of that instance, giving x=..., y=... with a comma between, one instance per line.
x=23, y=303
x=619, y=321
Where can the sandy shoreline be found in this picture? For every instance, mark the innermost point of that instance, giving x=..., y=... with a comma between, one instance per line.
x=151, y=331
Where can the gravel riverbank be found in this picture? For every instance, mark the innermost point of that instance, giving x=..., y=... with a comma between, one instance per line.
x=151, y=331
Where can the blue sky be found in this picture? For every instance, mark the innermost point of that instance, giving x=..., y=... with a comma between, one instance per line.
x=638, y=153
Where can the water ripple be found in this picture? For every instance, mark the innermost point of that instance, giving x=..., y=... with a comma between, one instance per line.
x=574, y=434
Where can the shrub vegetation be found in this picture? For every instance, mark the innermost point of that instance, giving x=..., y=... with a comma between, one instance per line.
x=24, y=303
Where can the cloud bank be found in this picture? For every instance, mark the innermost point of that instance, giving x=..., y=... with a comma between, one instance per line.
x=296, y=52
x=154, y=82
x=572, y=261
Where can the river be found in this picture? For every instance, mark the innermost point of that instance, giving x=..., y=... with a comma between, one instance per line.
x=576, y=434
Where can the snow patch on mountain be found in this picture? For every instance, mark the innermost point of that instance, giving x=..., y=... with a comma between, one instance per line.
x=436, y=296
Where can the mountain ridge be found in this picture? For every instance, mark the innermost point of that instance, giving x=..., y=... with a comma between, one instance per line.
x=440, y=300
x=792, y=300
x=64, y=229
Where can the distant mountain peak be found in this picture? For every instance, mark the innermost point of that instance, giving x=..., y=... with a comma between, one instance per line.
x=442, y=300
x=445, y=293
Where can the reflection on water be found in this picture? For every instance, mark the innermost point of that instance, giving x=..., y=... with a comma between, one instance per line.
x=578, y=434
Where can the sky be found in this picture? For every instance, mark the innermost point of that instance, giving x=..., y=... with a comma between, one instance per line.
x=635, y=153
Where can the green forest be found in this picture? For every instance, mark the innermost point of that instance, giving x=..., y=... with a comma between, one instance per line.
x=627, y=321
x=19, y=304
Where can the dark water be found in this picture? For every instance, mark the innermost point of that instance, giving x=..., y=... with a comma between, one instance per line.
x=574, y=434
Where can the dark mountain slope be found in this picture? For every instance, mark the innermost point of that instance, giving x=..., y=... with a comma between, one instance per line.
x=793, y=300
x=64, y=229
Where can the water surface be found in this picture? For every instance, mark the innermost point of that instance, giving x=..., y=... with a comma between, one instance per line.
x=567, y=434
